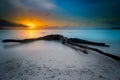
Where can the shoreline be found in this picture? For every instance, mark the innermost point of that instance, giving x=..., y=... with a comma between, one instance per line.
x=74, y=43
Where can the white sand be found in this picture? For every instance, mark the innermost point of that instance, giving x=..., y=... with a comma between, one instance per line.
x=53, y=61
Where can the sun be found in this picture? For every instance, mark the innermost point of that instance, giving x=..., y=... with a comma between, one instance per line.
x=31, y=26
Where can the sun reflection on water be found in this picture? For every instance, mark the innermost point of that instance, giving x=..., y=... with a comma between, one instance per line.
x=34, y=33
x=31, y=34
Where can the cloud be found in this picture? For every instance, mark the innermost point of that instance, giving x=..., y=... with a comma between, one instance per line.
x=34, y=4
x=5, y=23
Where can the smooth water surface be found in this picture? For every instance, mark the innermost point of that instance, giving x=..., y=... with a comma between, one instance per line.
x=111, y=37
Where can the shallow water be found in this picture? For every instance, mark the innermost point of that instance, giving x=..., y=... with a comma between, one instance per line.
x=110, y=37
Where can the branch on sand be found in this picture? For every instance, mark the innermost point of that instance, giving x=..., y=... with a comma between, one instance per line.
x=74, y=43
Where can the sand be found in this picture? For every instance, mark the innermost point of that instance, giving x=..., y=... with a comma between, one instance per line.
x=62, y=63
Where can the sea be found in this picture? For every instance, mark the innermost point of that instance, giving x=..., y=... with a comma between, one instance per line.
x=108, y=36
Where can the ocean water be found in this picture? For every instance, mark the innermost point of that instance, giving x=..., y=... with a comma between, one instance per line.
x=47, y=51
x=111, y=37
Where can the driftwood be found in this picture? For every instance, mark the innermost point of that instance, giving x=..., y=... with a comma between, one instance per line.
x=74, y=43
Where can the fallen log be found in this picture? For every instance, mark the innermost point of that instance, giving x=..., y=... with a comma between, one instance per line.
x=77, y=48
x=81, y=41
x=74, y=43
x=19, y=41
x=56, y=37
x=97, y=50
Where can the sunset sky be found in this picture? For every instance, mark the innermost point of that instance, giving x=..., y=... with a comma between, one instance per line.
x=61, y=12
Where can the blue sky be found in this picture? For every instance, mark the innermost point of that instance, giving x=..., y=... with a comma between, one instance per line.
x=65, y=12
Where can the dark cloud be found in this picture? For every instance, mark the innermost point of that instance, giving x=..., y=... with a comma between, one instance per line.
x=7, y=10
x=5, y=23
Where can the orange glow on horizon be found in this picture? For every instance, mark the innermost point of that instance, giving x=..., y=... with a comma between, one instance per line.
x=34, y=23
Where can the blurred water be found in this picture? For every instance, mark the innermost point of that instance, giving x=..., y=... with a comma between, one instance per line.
x=111, y=37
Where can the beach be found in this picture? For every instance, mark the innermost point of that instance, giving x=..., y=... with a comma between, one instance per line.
x=49, y=60
x=59, y=39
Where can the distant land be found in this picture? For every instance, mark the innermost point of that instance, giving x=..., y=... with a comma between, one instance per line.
x=7, y=24
x=115, y=28
x=81, y=27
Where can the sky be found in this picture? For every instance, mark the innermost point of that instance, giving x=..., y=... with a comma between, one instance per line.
x=61, y=12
